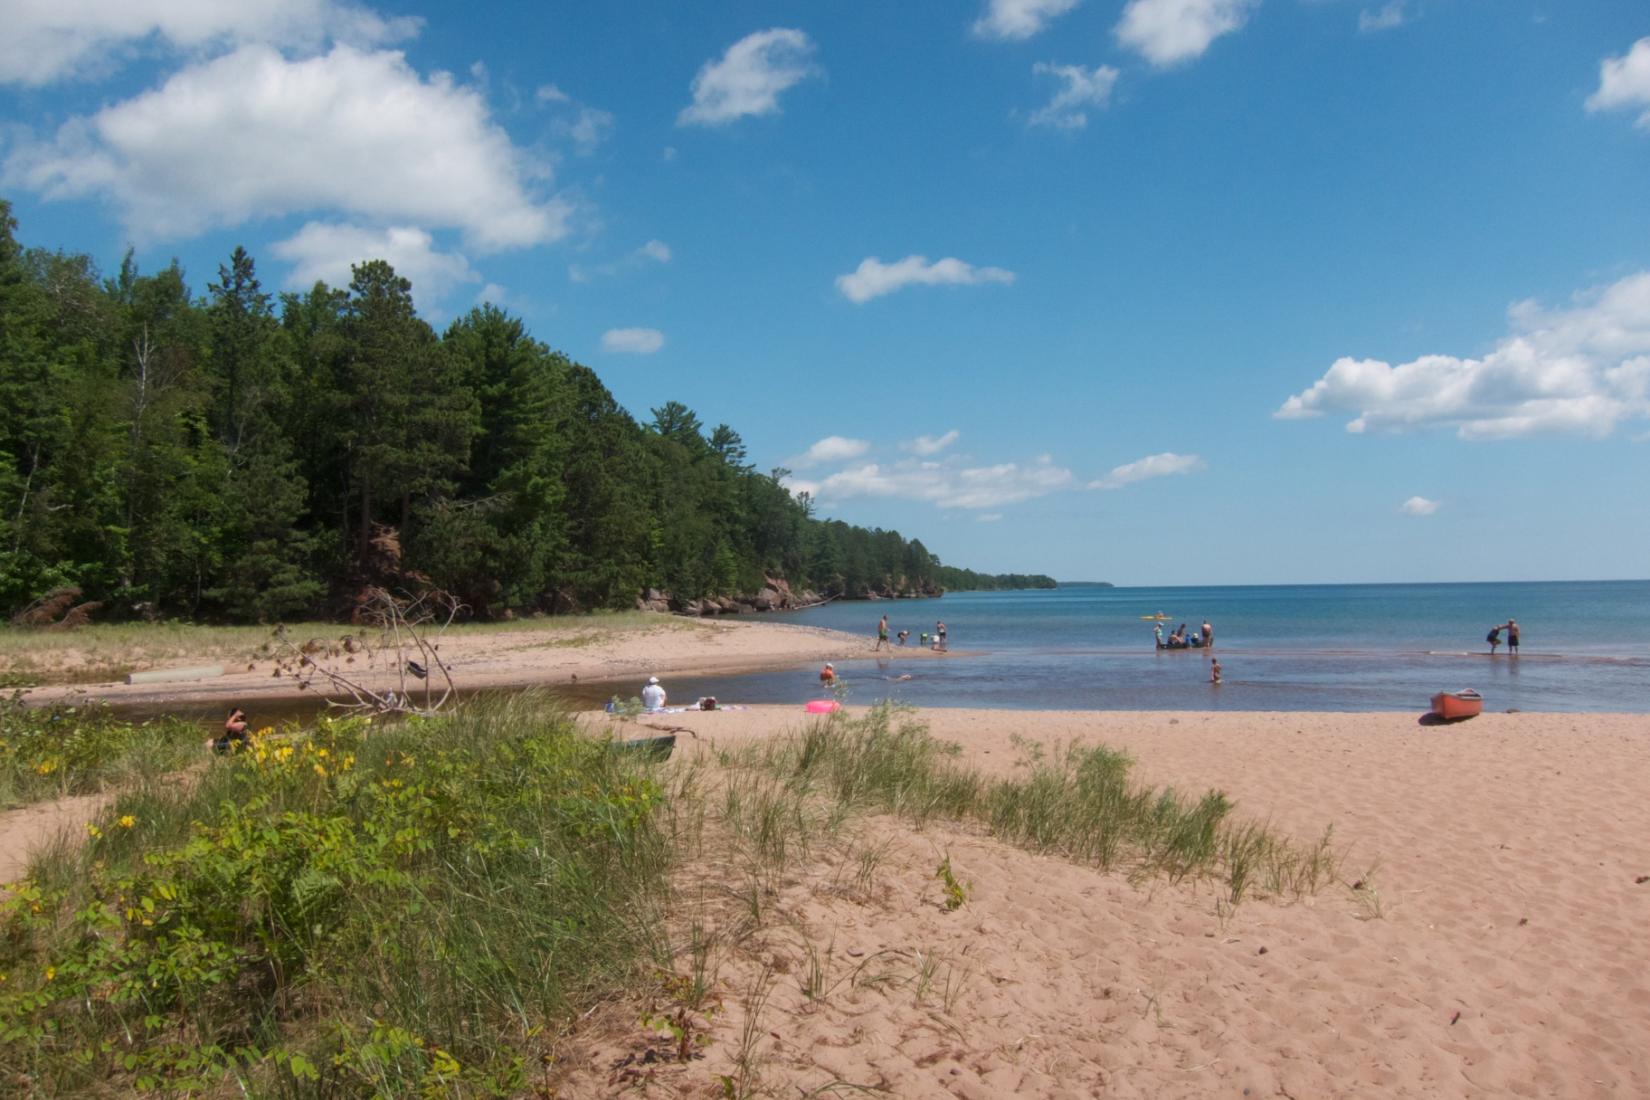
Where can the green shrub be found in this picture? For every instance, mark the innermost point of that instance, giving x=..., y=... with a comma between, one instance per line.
x=49, y=752
x=351, y=911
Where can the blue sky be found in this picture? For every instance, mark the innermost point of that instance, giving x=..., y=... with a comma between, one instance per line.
x=1150, y=291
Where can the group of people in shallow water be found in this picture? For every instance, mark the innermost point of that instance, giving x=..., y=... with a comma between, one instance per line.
x=936, y=641
x=1178, y=639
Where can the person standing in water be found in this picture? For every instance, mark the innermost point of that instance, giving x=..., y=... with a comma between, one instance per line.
x=1214, y=670
x=939, y=636
x=1157, y=632
x=1208, y=634
x=1512, y=637
x=1494, y=637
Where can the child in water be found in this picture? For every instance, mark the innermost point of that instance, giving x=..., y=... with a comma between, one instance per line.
x=1214, y=670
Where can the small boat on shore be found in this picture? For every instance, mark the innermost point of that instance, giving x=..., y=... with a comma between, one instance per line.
x=1451, y=705
x=648, y=748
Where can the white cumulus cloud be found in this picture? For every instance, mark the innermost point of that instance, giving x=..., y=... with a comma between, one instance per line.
x=253, y=134
x=833, y=448
x=1390, y=17
x=1167, y=32
x=1625, y=82
x=47, y=40
x=949, y=485
x=1081, y=89
x=1017, y=19
x=873, y=278
x=1579, y=370
x=633, y=341
x=748, y=78
x=1418, y=506
x=1141, y=469
x=926, y=445
x=326, y=252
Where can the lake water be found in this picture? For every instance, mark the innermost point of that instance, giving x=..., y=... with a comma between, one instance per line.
x=1586, y=647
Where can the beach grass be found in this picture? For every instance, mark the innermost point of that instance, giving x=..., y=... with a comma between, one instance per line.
x=433, y=907
x=63, y=750
x=1077, y=802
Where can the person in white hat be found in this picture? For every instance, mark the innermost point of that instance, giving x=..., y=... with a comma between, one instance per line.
x=653, y=696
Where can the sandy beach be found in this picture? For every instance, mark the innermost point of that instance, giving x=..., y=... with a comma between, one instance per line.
x=1487, y=937
x=558, y=654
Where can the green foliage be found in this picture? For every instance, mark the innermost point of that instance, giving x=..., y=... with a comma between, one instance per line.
x=956, y=894
x=341, y=912
x=233, y=457
x=49, y=752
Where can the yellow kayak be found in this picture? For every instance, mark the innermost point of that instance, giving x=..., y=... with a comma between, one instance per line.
x=1160, y=617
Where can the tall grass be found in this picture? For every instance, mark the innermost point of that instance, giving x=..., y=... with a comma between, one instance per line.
x=51, y=752
x=415, y=910
x=1079, y=803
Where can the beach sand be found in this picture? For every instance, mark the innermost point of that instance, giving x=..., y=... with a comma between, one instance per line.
x=553, y=653
x=1495, y=943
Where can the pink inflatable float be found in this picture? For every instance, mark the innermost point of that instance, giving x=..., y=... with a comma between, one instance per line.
x=823, y=706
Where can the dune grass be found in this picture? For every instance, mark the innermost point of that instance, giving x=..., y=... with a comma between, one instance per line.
x=1077, y=802
x=429, y=908
x=52, y=752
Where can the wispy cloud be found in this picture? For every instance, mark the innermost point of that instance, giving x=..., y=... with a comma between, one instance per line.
x=1418, y=506
x=926, y=445
x=1168, y=32
x=949, y=485
x=632, y=341
x=748, y=78
x=1142, y=469
x=1019, y=19
x=1081, y=89
x=653, y=252
x=1576, y=371
x=1625, y=82
x=833, y=448
x=873, y=278
x=1390, y=17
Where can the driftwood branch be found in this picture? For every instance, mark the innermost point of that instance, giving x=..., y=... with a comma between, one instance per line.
x=391, y=666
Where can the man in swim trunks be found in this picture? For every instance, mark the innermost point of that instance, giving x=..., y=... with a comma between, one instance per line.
x=1512, y=637
x=882, y=632
x=1208, y=634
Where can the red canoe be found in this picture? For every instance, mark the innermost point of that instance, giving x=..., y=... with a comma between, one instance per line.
x=1450, y=705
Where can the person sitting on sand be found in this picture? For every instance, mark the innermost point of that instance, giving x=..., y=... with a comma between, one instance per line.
x=1494, y=638
x=653, y=695
x=1214, y=670
x=234, y=735
x=827, y=675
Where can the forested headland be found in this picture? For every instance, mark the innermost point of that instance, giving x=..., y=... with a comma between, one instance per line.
x=240, y=456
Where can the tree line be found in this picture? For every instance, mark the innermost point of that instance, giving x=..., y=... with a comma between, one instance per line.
x=248, y=457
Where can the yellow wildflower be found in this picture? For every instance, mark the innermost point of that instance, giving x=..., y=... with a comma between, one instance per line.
x=127, y=821
x=93, y=830
x=51, y=973
x=320, y=771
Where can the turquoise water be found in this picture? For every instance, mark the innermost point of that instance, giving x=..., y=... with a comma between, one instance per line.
x=1586, y=647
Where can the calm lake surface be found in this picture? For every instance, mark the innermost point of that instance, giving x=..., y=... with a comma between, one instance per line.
x=1586, y=647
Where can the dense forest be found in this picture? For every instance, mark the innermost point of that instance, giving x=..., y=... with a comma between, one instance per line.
x=240, y=456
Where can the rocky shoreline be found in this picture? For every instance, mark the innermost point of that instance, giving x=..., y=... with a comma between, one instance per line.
x=776, y=594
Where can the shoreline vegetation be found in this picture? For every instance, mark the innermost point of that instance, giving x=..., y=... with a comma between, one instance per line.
x=437, y=905
x=241, y=457
x=494, y=903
